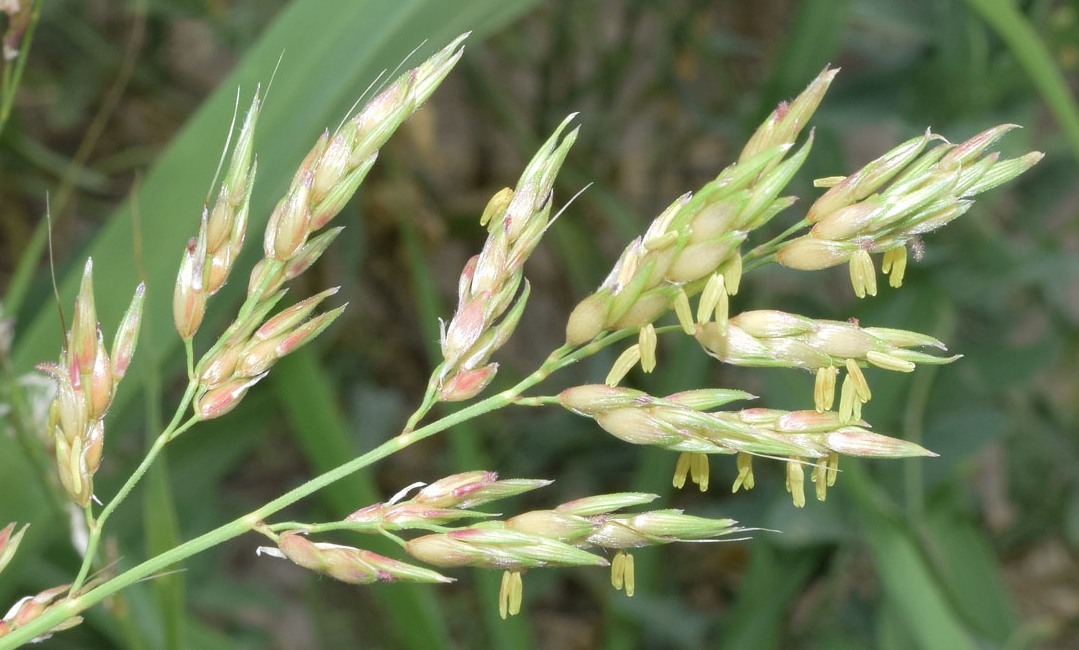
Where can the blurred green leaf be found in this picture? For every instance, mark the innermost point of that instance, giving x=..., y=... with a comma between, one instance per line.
x=908, y=582
x=963, y=560
x=1030, y=50
x=771, y=584
x=912, y=588
x=813, y=42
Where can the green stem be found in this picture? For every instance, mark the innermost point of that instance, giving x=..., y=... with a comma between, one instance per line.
x=542, y=400
x=189, y=352
x=97, y=526
x=394, y=538
x=72, y=606
x=13, y=75
x=764, y=253
x=364, y=527
x=430, y=398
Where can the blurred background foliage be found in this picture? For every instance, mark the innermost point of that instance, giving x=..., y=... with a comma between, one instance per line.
x=120, y=118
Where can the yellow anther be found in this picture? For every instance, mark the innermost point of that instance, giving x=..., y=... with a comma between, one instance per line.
x=796, y=482
x=745, y=472
x=820, y=478
x=710, y=297
x=698, y=470
x=861, y=386
x=684, y=312
x=722, y=311
x=516, y=592
x=510, y=594
x=623, y=364
x=732, y=274
x=681, y=469
x=863, y=276
x=497, y=205
x=504, y=595
x=824, y=388
x=895, y=265
x=847, y=399
x=647, y=341
x=618, y=570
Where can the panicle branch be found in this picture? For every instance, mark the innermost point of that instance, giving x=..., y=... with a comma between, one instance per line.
x=560, y=536
x=325, y=181
x=771, y=338
x=698, y=236
x=682, y=422
x=901, y=195
x=31, y=607
x=490, y=298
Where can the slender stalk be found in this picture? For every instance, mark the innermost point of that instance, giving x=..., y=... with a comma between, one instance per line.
x=352, y=526
x=13, y=74
x=96, y=526
x=189, y=352
x=429, y=400
x=764, y=253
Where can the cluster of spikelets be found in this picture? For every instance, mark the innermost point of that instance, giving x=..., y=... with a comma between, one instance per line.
x=294, y=240
x=86, y=376
x=539, y=538
x=28, y=608
x=694, y=248
x=490, y=284
x=684, y=422
x=893, y=200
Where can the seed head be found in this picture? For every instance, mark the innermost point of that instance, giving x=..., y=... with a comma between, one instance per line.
x=498, y=548
x=32, y=607
x=352, y=565
x=189, y=296
x=83, y=337
x=9, y=543
x=127, y=336
x=471, y=489
x=218, y=401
